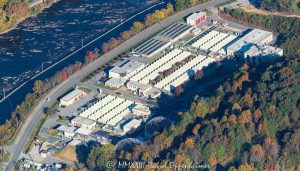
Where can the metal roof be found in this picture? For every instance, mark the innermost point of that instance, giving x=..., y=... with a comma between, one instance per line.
x=72, y=95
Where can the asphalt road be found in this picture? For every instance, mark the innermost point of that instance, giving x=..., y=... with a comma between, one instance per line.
x=20, y=142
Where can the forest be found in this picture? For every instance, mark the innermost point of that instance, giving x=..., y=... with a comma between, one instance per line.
x=251, y=123
x=289, y=6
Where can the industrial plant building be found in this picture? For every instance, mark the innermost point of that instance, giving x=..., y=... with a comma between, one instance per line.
x=196, y=18
x=254, y=47
x=126, y=69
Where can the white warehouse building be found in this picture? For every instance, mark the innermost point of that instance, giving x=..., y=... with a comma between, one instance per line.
x=254, y=37
x=133, y=124
x=254, y=47
x=126, y=69
x=72, y=97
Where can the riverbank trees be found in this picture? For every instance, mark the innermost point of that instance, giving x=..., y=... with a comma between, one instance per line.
x=39, y=89
x=11, y=12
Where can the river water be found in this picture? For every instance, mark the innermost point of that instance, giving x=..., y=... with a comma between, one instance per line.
x=55, y=33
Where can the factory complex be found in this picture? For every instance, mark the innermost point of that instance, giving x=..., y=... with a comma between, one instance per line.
x=161, y=64
x=124, y=96
x=182, y=49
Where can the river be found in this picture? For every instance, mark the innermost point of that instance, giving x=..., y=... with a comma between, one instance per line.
x=55, y=33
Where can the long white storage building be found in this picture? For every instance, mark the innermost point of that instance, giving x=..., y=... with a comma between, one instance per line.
x=184, y=73
x=110, y=110
x=152, y=70
x=214, y=41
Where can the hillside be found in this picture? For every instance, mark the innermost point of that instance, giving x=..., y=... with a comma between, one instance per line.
x=251, y=123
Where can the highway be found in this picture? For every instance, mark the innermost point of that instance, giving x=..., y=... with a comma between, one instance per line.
x=20, y=141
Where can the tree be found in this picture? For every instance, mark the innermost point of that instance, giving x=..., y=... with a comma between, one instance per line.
x=236, y=108
x=271, y=148
x=198, y=75
x=189, y=143
x=63, y=75
x=100, y=156
x=178, y=90
x=245, y=117
x=246, y=101
x=246, y=167
x=38, y=86
x=170, y=9
x=196, y=129
x=3, y=134
x=125, y=35
x=257, y=153
x=138, y=26
x=201, y=108
x=149, y=21
x=257, y=115
x=232, y=118
x=105, y=47
x=90, y=55
x=113, y=42
x=179, y=5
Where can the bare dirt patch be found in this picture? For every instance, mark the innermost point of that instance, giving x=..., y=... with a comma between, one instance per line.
x=67, y=154
x=263, y=12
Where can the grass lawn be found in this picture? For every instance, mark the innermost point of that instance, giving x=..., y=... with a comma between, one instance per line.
x=86, y=90
x=6, y=157
x=67, y=154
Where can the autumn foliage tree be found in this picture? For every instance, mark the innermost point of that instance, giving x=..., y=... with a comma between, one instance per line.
x=64, y=75
x=38, y=86
x=138, y=26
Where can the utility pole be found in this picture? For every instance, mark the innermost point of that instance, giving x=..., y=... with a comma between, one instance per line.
x=4, y=93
